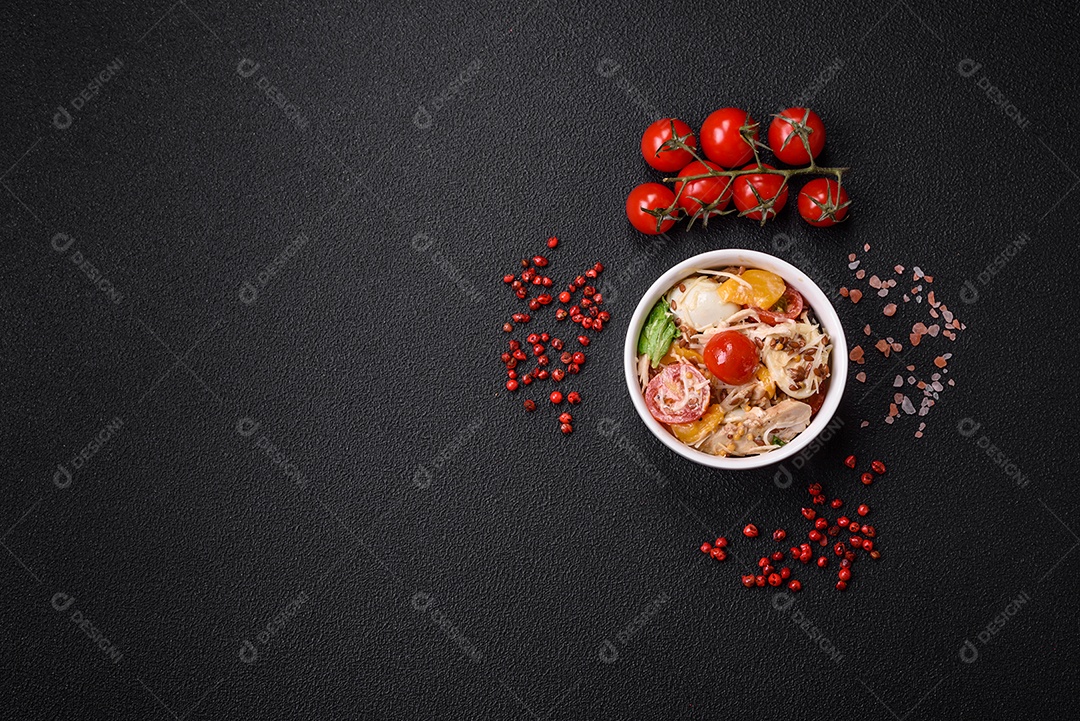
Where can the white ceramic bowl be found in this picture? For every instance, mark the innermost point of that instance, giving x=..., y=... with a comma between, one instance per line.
x=826, y=314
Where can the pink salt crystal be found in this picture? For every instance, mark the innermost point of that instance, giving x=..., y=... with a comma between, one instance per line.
x=855, y=295
x=861, y=376
x=861, y=274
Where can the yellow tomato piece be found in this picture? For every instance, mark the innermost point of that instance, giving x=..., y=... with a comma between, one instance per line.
x=764, y=290
x=697, y=430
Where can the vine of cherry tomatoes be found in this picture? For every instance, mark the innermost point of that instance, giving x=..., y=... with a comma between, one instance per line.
x=732, y=173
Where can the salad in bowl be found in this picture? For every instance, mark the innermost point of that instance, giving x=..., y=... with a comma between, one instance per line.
x=735, y=357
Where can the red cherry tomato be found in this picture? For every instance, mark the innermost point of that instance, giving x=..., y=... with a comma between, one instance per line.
x=823, y=202
x=789, y=307
x=705, y=190
x=771, y=192
x=649, y=196
x=785, y=132
x=679, y=394
x=722, y=140
x=731, y=357
x=667, y=160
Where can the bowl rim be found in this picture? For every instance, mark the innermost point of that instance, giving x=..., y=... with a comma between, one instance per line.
x=817, y=300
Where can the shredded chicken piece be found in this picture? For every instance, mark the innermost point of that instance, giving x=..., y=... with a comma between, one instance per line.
x=758, y=430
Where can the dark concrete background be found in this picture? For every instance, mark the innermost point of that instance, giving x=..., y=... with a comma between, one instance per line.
x=314, y=499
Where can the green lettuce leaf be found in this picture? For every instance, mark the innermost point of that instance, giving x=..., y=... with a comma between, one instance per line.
x=657, y=334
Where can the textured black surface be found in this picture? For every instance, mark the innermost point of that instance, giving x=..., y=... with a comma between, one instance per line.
x=407, y=488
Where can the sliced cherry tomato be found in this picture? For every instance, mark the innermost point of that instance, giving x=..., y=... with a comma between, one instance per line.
x=705, y=190
x=760, y=196
x=650, y=196
x=818, y=399
x=731, y=357
x=823, y=202
x=664, y=158
x=789, y=307
x=679, y=394
x=722, y=140
x=787, y=132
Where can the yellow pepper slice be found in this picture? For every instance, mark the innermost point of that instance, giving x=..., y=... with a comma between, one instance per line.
x=676, y=352
x=765, y=289
x=697, y=430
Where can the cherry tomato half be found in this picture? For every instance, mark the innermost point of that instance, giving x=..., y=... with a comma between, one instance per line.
x=705, y=190
x=649, y=196
x=668, y=398
x=722, y=140
x=818, y=399
x=667, y=160
x=731, y=357
x=770, y=198
x=823, y=202
x=786, y=131
x=789, y=307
